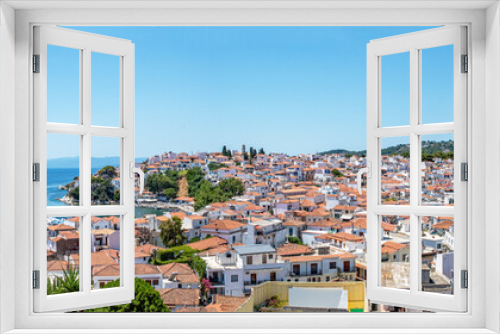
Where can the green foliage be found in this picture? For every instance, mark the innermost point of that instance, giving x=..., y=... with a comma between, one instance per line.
x=70, y=282
x=171, y=232
x=74, y=193
x=261, y=151
x=294, y=240
x=428, y=147
x=117, y=195
x=194, y=240
x=337, y=173
x=103, y=190
x=215, y=165
x=170, y=193
x=199, y=265
x=231, y=187
x=208, y=194
x=182, y=254
x=147, y=299
x=107, y=172
x=158, y=183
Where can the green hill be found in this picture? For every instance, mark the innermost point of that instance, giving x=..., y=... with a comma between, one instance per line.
x=428, y=147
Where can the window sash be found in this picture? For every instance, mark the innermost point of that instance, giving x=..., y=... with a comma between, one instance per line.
x=412, y=43
x=86, y=43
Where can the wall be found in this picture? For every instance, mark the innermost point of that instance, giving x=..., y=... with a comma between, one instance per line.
x=262, y=292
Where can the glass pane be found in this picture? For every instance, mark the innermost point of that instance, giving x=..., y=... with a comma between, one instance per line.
x=63, y=255
x=63, y=169
x=106, y=170
x=395, y=89
x=105, y=257
x=395, y=171
x=437, y=254
x=63, y=85
x=437, y=169
x=105, y=90
x=395, y=252
x=437, y=84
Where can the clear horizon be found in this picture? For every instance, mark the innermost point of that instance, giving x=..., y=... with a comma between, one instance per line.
x=286, y=89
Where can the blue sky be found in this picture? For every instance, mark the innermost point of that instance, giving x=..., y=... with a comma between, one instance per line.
x=287, y=89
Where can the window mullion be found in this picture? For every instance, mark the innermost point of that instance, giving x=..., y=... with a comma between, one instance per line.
x=414, y=168
x=86, y=173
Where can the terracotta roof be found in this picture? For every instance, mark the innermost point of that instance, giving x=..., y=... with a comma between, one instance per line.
x=293, y=249
x=444, y=225
x=208, y=243
x=223, y=224
x=174, y=296
x=294, y=223
x=327, y=222
x=147, y=269
x=100, y=259
x=185, y=274
x=222, y=303
x=57, y=265
x=107, y=270
x=147, y=248
x=390, y=247
x=60, y=227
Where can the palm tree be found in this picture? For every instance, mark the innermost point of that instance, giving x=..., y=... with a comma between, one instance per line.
x=171, y=232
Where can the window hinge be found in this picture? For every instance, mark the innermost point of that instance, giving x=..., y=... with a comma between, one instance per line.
x=36, y=279
x=465, y=64
x=36, y=63
x=36, y=172
x=465, y=279
x=464, y=171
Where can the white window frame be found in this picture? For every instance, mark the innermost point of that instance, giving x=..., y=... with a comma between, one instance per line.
x=414, y=43
x=482, y=19
x=86, y=44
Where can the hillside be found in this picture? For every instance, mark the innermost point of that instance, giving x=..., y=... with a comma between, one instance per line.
x=428, y=147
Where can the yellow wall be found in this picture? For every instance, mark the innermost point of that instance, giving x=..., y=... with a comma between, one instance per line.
x=264, y=291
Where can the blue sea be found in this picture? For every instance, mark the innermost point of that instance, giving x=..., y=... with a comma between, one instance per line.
x=57, y=177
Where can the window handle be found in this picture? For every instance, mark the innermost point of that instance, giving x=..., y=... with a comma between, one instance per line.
x=367, y=170
x=134, y=170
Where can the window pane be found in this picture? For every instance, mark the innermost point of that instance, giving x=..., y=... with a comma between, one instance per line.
x=105, y=257
x=395, y=252
x=105, y=90
x=395, y=171
x=106, y=170
x=63, y=85
x=437, y=170
x=437, y=254
x=395, y=89
x=437, y=84
x=63, y=255
x=63, y=169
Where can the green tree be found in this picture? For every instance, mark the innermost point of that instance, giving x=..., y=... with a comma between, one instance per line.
x=171, y=232
x=215, y=165
x=117, y=195
x=224, y=150
x=74, y=193
x=107, y=171
x=337, y=173
x=294, y=240
x=231, y=187
x=261, y=151
x=147, y=299
x=170, y=193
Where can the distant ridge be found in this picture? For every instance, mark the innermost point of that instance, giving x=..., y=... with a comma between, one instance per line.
x=429, y=147
x=74, y=162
